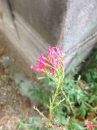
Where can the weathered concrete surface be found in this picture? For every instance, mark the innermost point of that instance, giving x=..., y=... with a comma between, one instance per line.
x=80, y=24
x=44, y=16
x=69, y=23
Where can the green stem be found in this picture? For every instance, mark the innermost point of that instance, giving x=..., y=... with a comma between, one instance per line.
x=53, y=100
x=68, y=101
x=60, y=79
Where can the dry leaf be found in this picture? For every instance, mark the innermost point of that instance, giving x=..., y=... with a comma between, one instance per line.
x=25, y=107
x=91, y=115
x=80, y=118
x=2, y=50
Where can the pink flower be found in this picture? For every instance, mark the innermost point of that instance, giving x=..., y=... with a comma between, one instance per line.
x=51, y=70
x=89, y=125
x=53, y=51
x=58, y=49
x=41, y=59
x=52, y=61
x=54, y=54
x=38, y=66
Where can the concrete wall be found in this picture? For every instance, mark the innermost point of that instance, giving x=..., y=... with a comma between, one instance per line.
x=44, y=16
x=80, y=28
x=36, y=24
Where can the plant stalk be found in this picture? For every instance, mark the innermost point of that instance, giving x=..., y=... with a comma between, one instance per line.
x=68, y=102
x=53, y=101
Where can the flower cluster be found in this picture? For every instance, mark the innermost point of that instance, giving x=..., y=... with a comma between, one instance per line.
x=52, y=61
x=89, y=125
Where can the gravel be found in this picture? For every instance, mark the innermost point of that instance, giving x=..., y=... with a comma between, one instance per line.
x=12, y=103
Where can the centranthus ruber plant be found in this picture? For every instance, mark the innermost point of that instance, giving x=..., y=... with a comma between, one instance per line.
x=51, y=64
x=67, y=103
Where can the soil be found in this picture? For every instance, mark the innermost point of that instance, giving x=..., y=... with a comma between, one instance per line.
x=12, y=103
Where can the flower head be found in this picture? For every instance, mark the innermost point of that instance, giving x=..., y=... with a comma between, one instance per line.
x=52, y=61
x=89, y=125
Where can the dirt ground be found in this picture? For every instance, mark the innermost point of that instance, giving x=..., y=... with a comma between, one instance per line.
x=12, y=104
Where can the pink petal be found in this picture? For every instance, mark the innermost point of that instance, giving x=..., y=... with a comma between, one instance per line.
x=89, y=125
x=51, y=70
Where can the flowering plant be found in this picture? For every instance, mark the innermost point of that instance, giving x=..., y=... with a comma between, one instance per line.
x=53, y=65
x=68, y=101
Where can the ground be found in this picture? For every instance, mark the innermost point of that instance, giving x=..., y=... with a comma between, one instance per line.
x=12, y=103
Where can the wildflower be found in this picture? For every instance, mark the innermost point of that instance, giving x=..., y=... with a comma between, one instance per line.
x=51, y=70
x=89, y=125
x=50, y=62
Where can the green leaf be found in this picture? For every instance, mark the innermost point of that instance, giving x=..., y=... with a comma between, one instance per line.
x=31, y=120
x=61, y=119
x=93, y=98
x=81, y=110
x=88, y=77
